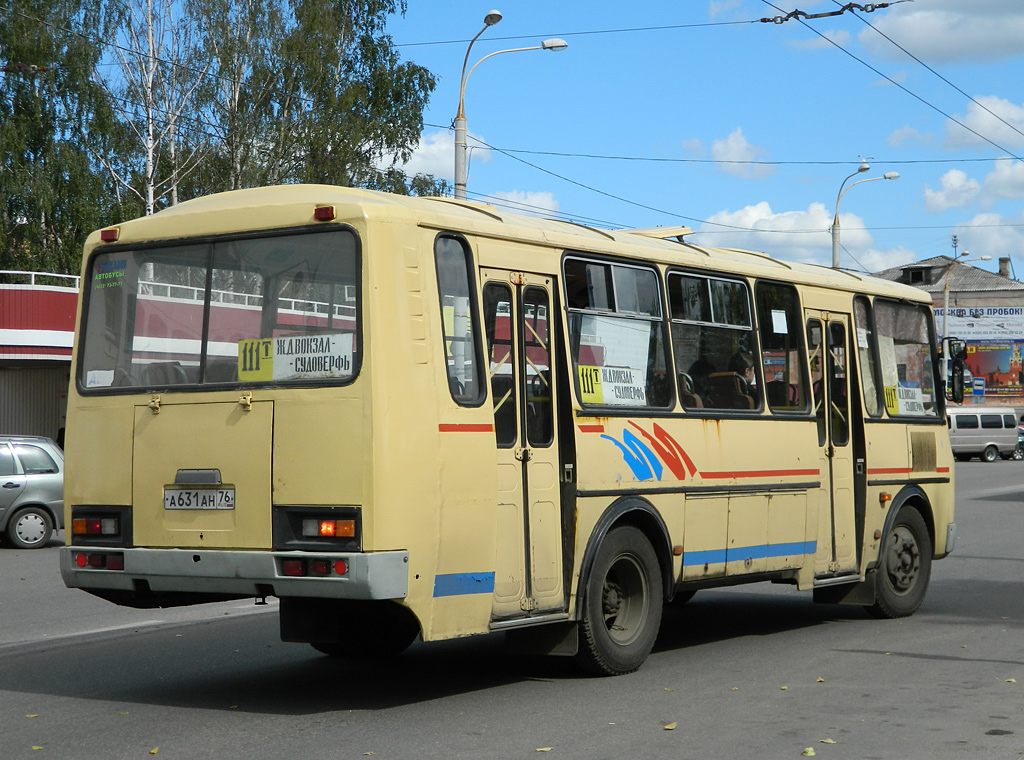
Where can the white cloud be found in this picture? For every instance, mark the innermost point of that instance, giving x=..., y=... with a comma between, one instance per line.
x=803, y=236
x=957, y=190
x=529, y=203
x=1007, y=181
x=717, y=8
x=736, y=148
x=1008, y=135
x=906, y=134
x=694, y=145
x=993, y=235
x=436, y=155
x=947, y=31
x=840, y=37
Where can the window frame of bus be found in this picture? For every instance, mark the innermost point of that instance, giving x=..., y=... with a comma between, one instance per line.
x=939, y=400
x=472, y=313
x=210, y=241
x=795, y=330
x=867, y=356
x=754, y=350
x=611, y=263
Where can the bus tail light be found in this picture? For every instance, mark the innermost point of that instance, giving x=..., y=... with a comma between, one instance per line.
x=94, y=526
x=328, y=528
x=100, y=560
x=301, y=567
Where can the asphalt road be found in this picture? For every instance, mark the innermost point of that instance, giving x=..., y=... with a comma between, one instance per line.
x=750, y=672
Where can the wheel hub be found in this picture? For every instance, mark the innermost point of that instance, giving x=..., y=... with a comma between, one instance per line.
x=30, y=529
x=903, y=559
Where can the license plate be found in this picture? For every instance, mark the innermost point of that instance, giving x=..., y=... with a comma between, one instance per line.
x=199, y=498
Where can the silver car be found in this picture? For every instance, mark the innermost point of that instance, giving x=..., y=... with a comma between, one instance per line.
x=31, y=490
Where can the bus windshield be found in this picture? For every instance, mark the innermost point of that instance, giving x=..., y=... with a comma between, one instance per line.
x=262, y=310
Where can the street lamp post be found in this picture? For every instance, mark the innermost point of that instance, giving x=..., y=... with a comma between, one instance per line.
x=490, y=19
x=835, y=222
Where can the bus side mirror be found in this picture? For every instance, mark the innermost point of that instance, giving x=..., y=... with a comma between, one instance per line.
x=956, y=382
x=957, y=350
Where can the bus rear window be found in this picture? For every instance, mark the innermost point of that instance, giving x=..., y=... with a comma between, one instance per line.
x=277, y=309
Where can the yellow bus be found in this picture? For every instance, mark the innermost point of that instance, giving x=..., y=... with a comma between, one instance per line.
x=423, y=417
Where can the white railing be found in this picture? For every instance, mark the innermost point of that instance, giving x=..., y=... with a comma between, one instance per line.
x=32, y=276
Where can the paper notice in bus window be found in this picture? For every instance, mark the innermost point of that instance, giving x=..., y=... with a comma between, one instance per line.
x=780, y=326
x=862, y=337
x=903, y=399
x=612, y=386
x=295, y=357
x=99, y=378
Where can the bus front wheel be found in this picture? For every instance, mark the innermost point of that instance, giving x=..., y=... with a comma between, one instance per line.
x=623, y=604
x=904, y=568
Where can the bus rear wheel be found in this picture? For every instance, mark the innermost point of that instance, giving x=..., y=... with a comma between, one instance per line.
x=904, y=568
x=623, y=604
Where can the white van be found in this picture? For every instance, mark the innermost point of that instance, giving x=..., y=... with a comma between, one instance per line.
x=988, y=432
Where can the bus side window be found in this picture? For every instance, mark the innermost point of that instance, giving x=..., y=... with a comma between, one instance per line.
x=461, y=333
x=713, y=342
x=779, y=323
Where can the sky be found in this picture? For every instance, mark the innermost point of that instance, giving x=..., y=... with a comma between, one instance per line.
x=696, y=113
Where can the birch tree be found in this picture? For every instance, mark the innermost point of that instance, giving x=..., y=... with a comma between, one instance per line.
x=154, y=91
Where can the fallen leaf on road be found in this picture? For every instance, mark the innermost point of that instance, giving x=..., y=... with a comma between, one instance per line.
x=544, y=749
x=809, y=752
x=31, y=716
x=1011, y=680
x=37, y=748
x=670, y=726
x=828, y=741
x=783, y=688
x=669, y=689
x=154, y=750
x=820, y=680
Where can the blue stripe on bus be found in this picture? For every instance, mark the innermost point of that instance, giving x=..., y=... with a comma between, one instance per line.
x=721, y=556
x=457, y=584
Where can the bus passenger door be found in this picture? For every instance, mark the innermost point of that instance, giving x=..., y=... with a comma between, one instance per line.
x=517, y=317
x=830, y=375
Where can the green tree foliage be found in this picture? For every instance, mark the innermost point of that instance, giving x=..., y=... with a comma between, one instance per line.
x=309, y=91
x=53, y=118
x=287, y=91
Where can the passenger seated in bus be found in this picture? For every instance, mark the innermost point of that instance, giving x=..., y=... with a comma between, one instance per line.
x=743, y=365
x=699, y=372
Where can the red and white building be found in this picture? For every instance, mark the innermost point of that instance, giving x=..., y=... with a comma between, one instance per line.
x=37, y=328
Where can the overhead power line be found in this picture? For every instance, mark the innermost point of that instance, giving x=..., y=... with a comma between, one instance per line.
x=897, y=84
x=799, y=14
x=879, y=32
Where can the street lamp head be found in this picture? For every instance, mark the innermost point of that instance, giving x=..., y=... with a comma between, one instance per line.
x=554, y=44
x=891, y=175
x=985, y=258
x=492, y=18
x=863, y=167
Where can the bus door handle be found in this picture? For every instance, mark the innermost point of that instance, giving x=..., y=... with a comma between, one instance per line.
x=523, y=455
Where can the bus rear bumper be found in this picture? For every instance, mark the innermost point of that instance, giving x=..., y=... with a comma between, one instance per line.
x=206, y=574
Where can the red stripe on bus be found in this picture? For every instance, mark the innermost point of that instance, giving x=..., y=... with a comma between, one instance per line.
x=761, y=474
x=591, y=428
x=449, y=427
x=941, y=469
